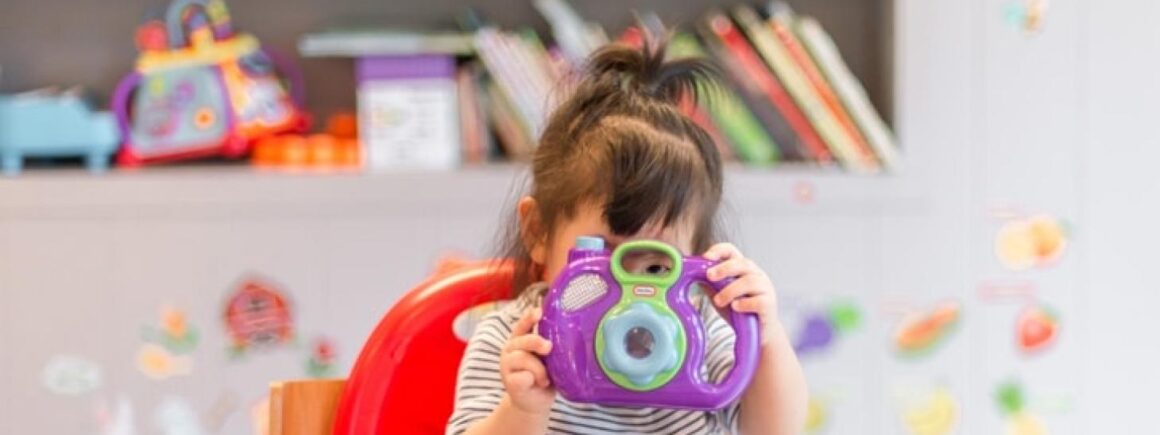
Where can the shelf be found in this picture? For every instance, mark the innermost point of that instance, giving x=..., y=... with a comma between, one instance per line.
x=241, y=191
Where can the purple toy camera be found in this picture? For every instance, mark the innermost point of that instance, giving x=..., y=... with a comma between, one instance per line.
x=626, y=338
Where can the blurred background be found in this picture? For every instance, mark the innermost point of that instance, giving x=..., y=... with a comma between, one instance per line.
x=953, y=198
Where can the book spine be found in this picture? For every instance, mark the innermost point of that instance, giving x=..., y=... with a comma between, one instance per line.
x=776, y=57
x=496, y=52
x=512, y=136
x=781, y=24
x=741, y=129
x=850, y=91
x=749, y=71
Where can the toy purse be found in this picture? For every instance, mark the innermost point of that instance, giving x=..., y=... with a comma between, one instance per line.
x=200, y=89
x=627, y=339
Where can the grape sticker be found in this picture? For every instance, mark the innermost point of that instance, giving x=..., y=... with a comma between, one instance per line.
x=820, y=327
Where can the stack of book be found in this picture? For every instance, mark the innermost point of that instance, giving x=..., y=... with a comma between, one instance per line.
x=786, y=95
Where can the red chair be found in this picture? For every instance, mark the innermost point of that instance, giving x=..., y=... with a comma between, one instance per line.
x=403, y=381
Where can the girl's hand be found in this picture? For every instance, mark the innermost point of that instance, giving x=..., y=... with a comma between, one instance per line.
x=751, y=292
x=524, y=376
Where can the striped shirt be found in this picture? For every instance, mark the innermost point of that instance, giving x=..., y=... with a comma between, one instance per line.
x=479, y=388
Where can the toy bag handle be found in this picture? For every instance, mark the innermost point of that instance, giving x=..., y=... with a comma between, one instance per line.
x=214, y=11
x=745, y=327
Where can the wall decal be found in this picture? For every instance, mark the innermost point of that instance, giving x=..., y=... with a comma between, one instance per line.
x=70, y=375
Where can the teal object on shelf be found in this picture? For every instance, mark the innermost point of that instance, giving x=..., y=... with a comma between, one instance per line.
x=60, y=125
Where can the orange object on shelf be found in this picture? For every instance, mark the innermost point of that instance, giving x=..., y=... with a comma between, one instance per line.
x=343, y=125
x=338, y=148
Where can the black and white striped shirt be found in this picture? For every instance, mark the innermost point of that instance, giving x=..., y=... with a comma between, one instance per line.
x=479, y=389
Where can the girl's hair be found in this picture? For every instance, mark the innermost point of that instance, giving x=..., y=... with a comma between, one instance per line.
x=620, y=140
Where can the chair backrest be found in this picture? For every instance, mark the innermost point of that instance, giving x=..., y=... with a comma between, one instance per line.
x=403, y=381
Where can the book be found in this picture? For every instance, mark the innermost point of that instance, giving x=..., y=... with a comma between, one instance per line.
x=790, y=130
x=682, y=46
x=576, y=38
x=737, y=123
x=849, y=90
x=512, y=135
x=781, y=20
x=472, y=127
x=839, y=141
x=384, y=42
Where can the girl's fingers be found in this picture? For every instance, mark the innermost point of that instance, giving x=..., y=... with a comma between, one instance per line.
x=525, y=324
x=520, y=381
x=523, y=362
x=722, y=251
x=735, y=290
x=731, y=267
x=753, y=304
x=530, y=343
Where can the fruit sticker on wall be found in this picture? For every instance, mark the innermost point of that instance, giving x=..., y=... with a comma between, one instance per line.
x=1013, y=405
x=920, y=333
x=1025, y=15
x=258, y=315
x=817, y=416
x=1036, y=328
x=936, y=413
x=819, y=328
x=166, y=348
x=1035, y=242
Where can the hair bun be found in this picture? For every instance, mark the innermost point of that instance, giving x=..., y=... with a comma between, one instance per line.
x=647, y=71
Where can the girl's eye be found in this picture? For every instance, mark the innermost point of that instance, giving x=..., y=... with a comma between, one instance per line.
x=657, y=269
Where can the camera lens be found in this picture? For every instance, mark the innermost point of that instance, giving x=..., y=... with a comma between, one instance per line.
x=639, y=342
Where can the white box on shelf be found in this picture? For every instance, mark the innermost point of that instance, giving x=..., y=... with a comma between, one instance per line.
x=408, y=112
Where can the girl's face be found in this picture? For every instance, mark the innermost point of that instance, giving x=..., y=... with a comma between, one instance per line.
x=589, y=221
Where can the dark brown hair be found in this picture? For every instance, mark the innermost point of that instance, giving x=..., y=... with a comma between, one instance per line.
x=619, y=139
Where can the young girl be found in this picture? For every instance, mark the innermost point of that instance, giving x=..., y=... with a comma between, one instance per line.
x=618, y=160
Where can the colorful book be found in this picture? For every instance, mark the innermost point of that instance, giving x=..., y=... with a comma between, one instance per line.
x=781, y=19
x=853, y=96
x=472, y=127
x=790, y=130
x=840, y=143
x=737, y=123
x=513, y=136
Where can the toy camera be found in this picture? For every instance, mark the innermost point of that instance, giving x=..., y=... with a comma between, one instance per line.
x=620, y=337
x=201, y=89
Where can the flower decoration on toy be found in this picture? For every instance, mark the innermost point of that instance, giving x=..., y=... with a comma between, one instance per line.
x=201, y=89
x=632, y=337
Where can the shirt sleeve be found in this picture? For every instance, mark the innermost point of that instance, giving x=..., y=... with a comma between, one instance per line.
x=719, y=356
x=478, y=387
